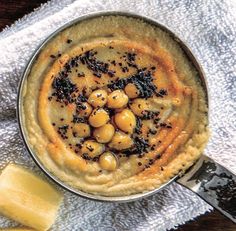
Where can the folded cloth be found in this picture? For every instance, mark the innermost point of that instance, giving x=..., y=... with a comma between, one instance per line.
x=208, y=27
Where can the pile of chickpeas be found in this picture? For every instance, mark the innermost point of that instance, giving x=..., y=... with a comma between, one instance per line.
x=114, y=132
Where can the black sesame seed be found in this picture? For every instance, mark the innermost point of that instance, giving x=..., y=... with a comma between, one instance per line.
x=52, y=56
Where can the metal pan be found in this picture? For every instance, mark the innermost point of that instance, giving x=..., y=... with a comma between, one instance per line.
x=209, y=180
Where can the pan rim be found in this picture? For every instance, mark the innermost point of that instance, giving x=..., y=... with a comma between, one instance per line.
x=192, y=58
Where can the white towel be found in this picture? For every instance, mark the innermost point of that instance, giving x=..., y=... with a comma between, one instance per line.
x=208, y=27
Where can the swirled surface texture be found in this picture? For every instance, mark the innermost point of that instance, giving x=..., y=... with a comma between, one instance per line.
x=208, y=27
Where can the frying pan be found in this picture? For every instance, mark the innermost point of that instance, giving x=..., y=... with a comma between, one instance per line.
x=211, y=181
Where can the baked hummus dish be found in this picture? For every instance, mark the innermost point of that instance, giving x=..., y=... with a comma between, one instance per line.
x=112, y=106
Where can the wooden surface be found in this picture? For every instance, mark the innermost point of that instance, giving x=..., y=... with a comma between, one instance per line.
x=11, y=10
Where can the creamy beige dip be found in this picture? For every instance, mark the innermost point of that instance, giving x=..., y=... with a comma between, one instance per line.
x=112, y=106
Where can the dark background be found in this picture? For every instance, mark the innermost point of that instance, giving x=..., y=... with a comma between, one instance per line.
x=11, y=10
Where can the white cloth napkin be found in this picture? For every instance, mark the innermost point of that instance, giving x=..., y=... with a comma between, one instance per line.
x=208, y=27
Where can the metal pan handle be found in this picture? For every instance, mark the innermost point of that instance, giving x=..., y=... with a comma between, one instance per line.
x=214, y=183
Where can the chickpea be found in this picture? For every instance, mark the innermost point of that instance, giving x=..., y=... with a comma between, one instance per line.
x=139, y=106
x=125, y=120
x=92, y=148
x=98, y=118
x=98, y=98
x=84, y=110
x=104, y=134
x=120, y=141
x=108, y=161
x=82, y=130
x=117, y=99
x=131, y=90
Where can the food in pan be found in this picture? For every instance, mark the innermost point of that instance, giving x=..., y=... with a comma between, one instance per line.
x=112, y=106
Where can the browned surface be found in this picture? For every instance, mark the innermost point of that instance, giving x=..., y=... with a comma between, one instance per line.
x=11, y=10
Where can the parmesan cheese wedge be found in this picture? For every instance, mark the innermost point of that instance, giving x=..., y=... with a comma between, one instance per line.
x=28, y=199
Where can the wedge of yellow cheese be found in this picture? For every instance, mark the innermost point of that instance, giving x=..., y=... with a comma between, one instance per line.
x=26, y=198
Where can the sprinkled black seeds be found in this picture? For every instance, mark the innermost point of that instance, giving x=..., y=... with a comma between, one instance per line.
x=165, y=125
x=62, y=131
x=138, y=125
x=143, y=80
x=77, y=119
x=161, y=93
x=131, y=60
x=113, y=62
x=81, y=74
x=63, y=88
x=81, y=98
x=97, y=67
x=153, y=131
x=158, y=156
x=147, y=115
x=86, y=156
x=125, y=69
x=140, y=146
x=53, y=56
x=66, y=92
x=131, y=57
x=90, y=148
